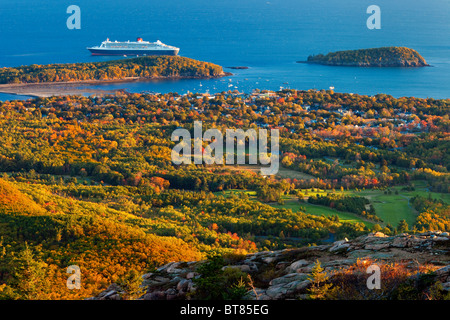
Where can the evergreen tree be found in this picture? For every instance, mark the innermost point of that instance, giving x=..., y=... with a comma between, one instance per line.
x=319, y=289
x=131, y=284
x=28, y=276
x=402, y=226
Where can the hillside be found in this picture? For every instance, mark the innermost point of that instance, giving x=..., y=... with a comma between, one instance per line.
x=374, y=57
x=412, y=268
x=39, y=242
x=140, y=67
x=14, y=202
x=89, y=181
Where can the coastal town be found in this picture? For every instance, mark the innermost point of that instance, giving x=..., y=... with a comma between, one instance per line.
x=263, y=103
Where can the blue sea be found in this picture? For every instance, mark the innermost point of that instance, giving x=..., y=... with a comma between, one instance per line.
x=266, y=36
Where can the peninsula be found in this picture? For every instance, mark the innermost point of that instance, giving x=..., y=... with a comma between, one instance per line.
x=374, y=57
x=60, y=79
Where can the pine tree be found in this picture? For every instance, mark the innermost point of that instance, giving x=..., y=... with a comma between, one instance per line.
x=319, y=289
x=29, y=276
x=131, y=283
x=402, y=226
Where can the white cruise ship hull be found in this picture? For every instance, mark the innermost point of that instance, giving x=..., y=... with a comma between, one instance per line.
x=132, y=52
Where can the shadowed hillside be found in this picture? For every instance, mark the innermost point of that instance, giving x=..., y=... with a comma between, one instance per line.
x=39, y=244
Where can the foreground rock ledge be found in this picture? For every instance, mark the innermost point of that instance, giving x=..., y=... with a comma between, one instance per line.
x=291, y=267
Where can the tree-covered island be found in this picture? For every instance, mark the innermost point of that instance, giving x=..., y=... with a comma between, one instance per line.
x=374, y=57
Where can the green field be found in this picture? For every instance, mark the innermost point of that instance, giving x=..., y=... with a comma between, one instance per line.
x=282, y=171
x=295, y=206
x=391, y=208
x=235, y=192
x=291, y=202
x=395, y=207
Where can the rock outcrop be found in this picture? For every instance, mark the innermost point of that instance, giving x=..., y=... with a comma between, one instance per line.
x=285, y=274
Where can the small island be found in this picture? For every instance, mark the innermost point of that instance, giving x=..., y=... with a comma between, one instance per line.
x=60, y=79
x=238, y=68
x=374, y=57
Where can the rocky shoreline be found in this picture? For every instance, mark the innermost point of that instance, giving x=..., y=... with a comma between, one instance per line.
x=290, y=268
x=397, y=64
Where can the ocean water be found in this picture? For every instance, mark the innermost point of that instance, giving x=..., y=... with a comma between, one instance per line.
x=267, y=36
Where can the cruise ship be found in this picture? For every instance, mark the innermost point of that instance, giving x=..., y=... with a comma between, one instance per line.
x=133, y=48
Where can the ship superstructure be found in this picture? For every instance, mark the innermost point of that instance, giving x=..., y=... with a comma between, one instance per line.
x=133, y=48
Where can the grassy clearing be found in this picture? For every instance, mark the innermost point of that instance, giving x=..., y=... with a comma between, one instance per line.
x=288, y=173
x=391, y=207
x=316, y=210
x=291, y=202
x=395, y=207
x=227, y=193
x=282, y=172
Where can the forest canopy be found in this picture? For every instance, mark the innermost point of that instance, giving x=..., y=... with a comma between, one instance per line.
x=140, y=67
x=89, y=181
x=374, y=57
